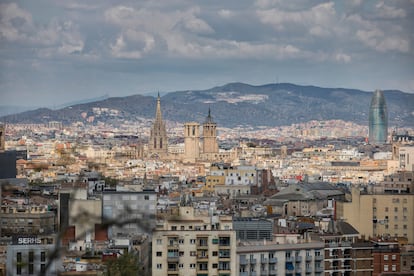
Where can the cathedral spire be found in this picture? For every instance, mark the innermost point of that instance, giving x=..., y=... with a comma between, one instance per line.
x=158, y=116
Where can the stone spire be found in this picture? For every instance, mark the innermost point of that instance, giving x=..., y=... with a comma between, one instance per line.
x=158, y=142
x=158, y=116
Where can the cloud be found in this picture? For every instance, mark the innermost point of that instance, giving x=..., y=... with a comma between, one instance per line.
x=388, y=12
x=132, y=44
x=319, y=18
x=15, y=23
x=56, y=37
x=342, y=58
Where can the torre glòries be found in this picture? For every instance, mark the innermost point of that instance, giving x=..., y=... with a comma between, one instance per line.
x=378, y=119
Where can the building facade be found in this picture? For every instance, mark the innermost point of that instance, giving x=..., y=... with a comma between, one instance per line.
x=376, y=215
x=27, y=256
x=128, y=213
x=193, y=244
x=280, y=259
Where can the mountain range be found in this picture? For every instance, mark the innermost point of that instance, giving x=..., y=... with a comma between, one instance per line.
x=238, y=104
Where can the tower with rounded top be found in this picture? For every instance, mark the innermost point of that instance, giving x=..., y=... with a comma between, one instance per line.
x=378, y=119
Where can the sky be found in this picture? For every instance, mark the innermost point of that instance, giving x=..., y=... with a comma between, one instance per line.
x=54, y=52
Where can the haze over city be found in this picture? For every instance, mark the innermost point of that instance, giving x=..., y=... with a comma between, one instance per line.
x=54, y=52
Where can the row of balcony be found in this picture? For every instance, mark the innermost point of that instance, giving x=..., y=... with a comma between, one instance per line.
x=274, y=271
x=244, y=261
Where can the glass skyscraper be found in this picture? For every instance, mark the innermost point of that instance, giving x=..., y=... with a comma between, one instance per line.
x=378, y=119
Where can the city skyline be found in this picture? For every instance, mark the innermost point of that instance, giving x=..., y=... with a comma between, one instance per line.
x=54, y=53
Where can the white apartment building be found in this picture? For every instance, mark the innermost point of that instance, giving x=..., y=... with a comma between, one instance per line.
x=194, y=244
x=273, y=258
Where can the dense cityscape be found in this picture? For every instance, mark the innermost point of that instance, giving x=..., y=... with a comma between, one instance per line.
x=166, y=198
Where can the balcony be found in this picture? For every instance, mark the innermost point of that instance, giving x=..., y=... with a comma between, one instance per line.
x=309, y=270
x=252, y=261
x=308, y=258
x=272, y=260
x=253, y=273
x=298, y=269
x=263, y=273
x=290, y=259
x=243, y=261
x=319, y=258
x=173, y=259
x=172, y=245
x=263, y=260
x=272, y=272
x=244, y=273
x=298, y=259
x=319, y=269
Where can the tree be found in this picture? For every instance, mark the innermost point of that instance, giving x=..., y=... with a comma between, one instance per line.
x=126, y=264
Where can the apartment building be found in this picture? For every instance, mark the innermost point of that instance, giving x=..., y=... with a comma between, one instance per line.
x=386, y=257
x=267, y=258
x=128, y=213
x=193, y=243
x=379, y=214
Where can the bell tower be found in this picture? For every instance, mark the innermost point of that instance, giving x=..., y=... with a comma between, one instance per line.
x=191, y=141
x=210, y=135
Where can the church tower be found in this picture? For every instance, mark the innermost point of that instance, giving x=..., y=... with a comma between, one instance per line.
x=210, y=135
x=158, y=143
x=191, y=141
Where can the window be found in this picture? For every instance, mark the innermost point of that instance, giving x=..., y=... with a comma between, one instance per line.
x=159, y=253
x=159, y=241
x=193, y=253
x=386, y=209
x=43, y=268
x=192, y=266
x=19, y=256
x=395, y=226
x=174, y=228
x=43, y=256
x=385, y=267
x=405, y=226
x=393, y=257
x=394, y=267
x=159, y=266
x=215, y=253
x=31, y=256
x=385, y=257
x=181, y=253
x=146, y=197
x=215, y=265
x=395, y=209
x=181, y=241
x=180, y=265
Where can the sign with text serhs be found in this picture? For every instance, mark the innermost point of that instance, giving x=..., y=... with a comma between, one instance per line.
x=25, y=240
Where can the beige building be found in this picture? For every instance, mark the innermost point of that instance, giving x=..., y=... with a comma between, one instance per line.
x=191, y=141
x=376, y=215
x=192, y=243
x=406, y=158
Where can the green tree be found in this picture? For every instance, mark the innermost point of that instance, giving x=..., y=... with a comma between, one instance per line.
x=126, y=264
